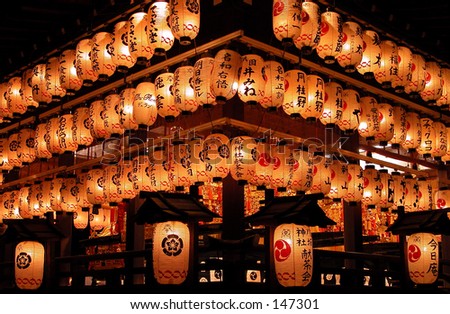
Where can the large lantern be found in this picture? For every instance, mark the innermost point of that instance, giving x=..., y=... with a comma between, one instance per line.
x=286, y=20
x=183, y=89
x=82, y=127
x=352, y=46
x=399, y=115
x=145, y=111
x=263, y=165
x=14, y=96
x=293, y=255
x=330, y=43
x=112, y=115
x=444, y=100
x=368, y=118
x=332, y=105
x=355, y=183
x=427, y=137
x=160, y=167
x=127, y=96
x=251, y=82
x=95, y=185
x=350, y=110
x=413, y=135
x=385, y=123
x=165, y=99
x=386, y=74
x=310, y=30
x=411, y=193
x=40, y=144
x=171, y=251
x=52, y=75
x=65, y=133
x=433, y=83
x=39, y=82
x=26, y=149
x=101, y=55
x=83, y=62
x=302, y=170
x=405, y=61
x=339, y=180
x=202, y=81
x=120, y=51
x=387, y=189
x=224, y=77
x=372, y=187
x=216, y=153
x=68, y=77
x=160, y=34
x=273, y=74
x=423, y=258
x=370, y=62
x=418, y=76
x=69, y=194
x=321, y=182
x=27, y=90
x=29, y=265
x=184, y=20
x=138, y=38
x=97, y=118
x=295, y=93
x=243, y=158
x=440, y=143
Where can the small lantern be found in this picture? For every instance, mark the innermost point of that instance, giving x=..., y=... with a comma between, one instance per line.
x=273, y=74
x=418, y=76
x=411, y=194
x=161, y=37
x=65, y=133
x=142, y=180
x=423, y=258
x=27, y=90
x=295, y=93
x=29, y=265
x=330, y=43
x=433, y=83
x=82, y=198
x=13, y=153
x=243, y=158
x=83, y=62
x=385, y=123
x=160, y=167
x=97, y=117
x=399, y=115
x=282, y=170
x=444, y=100
x=171, y=251
x=120, y=51
x=127, y=96
x=251, y=82
x=184, y=20
x=14, y=204
x=387, y=189
x=339, y=183
x=112, y=115
x=138, y=38
x=52, y=136
x=56, y=186
x=183, y=89
x=427, y=190
x=350, y=110
x=101, y=55
x=440, y=143
x=202, y=81
x=112, y=185
x=197, y=161
x=26, y=149
x=40, y=143
x=35, y=199
x=310, y=30
x=68, y=77
x=224, y=77
x=332, y=105
x=313, y=108
x=286, y=20
x=355, y=184
x=387, y=72
x=442, y=198
x=398, y=186
x=321, y=182
x=145, y=111
x=69, y=194
x=45, y=204
x=25, y=210
x=428, y=135
x=404, y=74
x=99, y=218
x=368, y=118
x=80, y=219
x=126, y=179
x=4, y=155
x=352, y=46
x=413, y=133
x=5, y=113
x=371, y=56
x=293, y=255
x=14, y=97
x=302, y=170
x=82, y=127
x=263, y=166
x=372, y=187
x=216, y=151
x=95, y=185
x=165, y=99
x=39, y=83
x=54, y=87
x=182, y=171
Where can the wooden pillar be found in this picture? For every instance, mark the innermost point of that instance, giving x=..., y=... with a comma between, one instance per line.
x=135, y=241
x=65, y=223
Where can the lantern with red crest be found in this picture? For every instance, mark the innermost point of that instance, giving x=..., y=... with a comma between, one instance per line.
x=332, y=105
x=263, y=165
x=385, y=123
x=302, y=170
x=368, y=118
x=282, y=171
x=224, y=77
x=423, y=258
x=418, y=76
x=413, y=133
x=352, y=43
x=295, y=92
x=350, y=110
x=310, y=30
x=386, y=74
x=371, y=54
x=321, y=182
x=339, y=177
x=404, y=74
x=286, y=20
x=330, y=43
x=433, y=83
x=273, y=74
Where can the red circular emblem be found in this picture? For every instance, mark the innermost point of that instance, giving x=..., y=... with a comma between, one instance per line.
x=282, y=250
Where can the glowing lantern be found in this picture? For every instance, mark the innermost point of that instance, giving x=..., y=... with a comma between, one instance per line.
x=282, y=171
x=350, y=109
x=165, y=99
x=14, y=204
x=127, y=96
x=141, y=174
x=418, y=76
x=339, y=177
x=13, y=154
x=321, y=182
x=69, y=194
x=273, y=74
x=295, y=92
x=39, y=83
x=27, y=90
x=197, y=161
x=145, y=111
x=183, y=89
x=68, y=77
x=286, y=20
x=126, y=179
x=97, y=117
x=82, y=127
x=5, y=113
x=160, y=167
x=368, y=118
x=387, y=72
x=5, y=205
x=428, y=135
x=40, y=143
x=387, y=189
x=14, y=97
x=263, y=165
x=4, y=155
x=112, y=115
x=313, y=108
x=293, y=255
x=370, y=62
x=52, y=77
x=112, y=185
x=444, y=100
x=440, y=143
x=26, y=149
x=120, y=51
x=99, y=218
x=411, y=194
x=82, y=198
x=52, y=136
x=404, y=74
x=442, y=198
x=138, y=39
x=55, y=193
x=216, y=151
x=29, y=265
x=101, y=55
x=372, y=187
x=184, y=20
x=243, y=158
x=251, y=82
x=202, y=81
x=332, y=105
x=24, y=202
x=433, y=83
x=45, y=204
x=224, y=77
x=427, y=190
x=182, y=171
x=95, y=185
x=302, y=171
x=35, y=199
x=80, y=219
x=171, y=252
x=65, y=133
x=310, y=30
x=330, y=43
x=160, y=34
x=399, y=117
x=385, y=123
x=355, y=184
x=83, y=62
x=423, y=258
x=413, y=133
x=446, y=157
x=352, y=46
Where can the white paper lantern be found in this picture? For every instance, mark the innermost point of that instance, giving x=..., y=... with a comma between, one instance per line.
x=282, y=171
x=52, y=77
x=165, y=99
x=398, y=185
x=423, y=258
x=330, y=43
x=138, y=38
x=368, y=118
x=224, y=77
x=35, y=199
x=4, y=155
x=113, y=185
x=286, y=20
x=56, y=186
x=427, y=190
x=126, y=179
x=80, y=219
x=97, y=120
x=120, y=51
x=385, y=123
x=29, y=265
x=142, y=177
x=273, y=74
x=45, y=204
x=39, y=83
x=372, y=187
x=296, y=91
x=352, y=46
x=355, y=183
x=83, y=62
x=202, y=81
x=387, y=72
x=310, y=28
x=183, y=89
x=399, y=114
x=68, y=77
x=243, y=158
x=14, y=97
x=197, y=161
x=350, y=110
x=444, y=100
x=428, y=135
x=145, y=111
x=95, y=185
x=440, y=143
x=82, y=127
x=371, y=57
x=433, y=83
x=112, y=115
x=27, y=90
x=404, y=74
x=101, y=55
x=40, y=144
x=52, y=136
x=413, y=135
x=339, y=180
x=263, y=167
x=160, y=34
x=82, y=198
x=411, y=194
x=127, y=97
x=184, y=20
x=160, y=167
x=302, y=170
x=13, y=153
x=69, y=194
x=251, y=82
x=387, y=189
x=418, y=76
x=181, y=168
x=65, y=133
x=321, y=175
x=5, y=113
x=332, y=105
x=216, y=153
x=25, y=210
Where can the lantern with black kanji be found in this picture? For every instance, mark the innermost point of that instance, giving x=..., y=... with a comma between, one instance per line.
x=112, y=115
x=13, y=153
x=371, y=57
x=444, y=100
x=295, y=93
x=184, y=20
x=29, y=265
x=181, y=165
x=251, y=82
x=68, y=77
x=286, y=20
x=197, y=161
x=273, y=74
x=428, y=136
x=80, y=219
x=40, y=145
x=398, y=186
x=138, y=38
x=411, y=193
x=55, y=192
x=242, y=158
x=427, y=190
x=82, y=127
x=39, y=83
x=224, y=77
x=282, y=159
x=24, y=202
x=35, y=198
x=126, y=178
x=52, y=136
x=385, y=123
x=263, y=166
x=159, y=32
x=368, y=118
x=310, y=30
x=69, y=194
x=372, y=187
x=413, y=135
x=101, y=55
x=350, y=110
x=355, y=183
x=26, y=149
x=339, y=183
x=112, y=185
x=160, y=167
x=4, y=156
x=120, y=51
x=99, y=218
x=418, y=76
x=330, y=43
x=404, y=73
x=202, y=81
x=440, y=143
x=54, y=87
x=433, y=83
x=83, y=62
x=302, y=170
x=321, y=182
x=82, y=199
x=5, y=113
x=293, y=255
x=127, y=96
x=332, y=105
x=423, y=258
x=95, y=185
x=442, y=198
x=183, y=90
x=352, y=46
x=145, y=111
x=45, y=204
x=65, y=133
x=216, y=153
x=97, y=118
x=142, y=177
x=27, y=90
x=386, y=74
x=387, y=189
x=399, y=114
x=14, y=97
x=165, y=99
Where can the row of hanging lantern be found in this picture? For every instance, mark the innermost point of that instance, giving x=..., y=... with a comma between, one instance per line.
x=301, y=23
x=132, y=41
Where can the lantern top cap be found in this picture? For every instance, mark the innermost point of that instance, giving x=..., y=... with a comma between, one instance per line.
x=370, y=167
x=383, y=171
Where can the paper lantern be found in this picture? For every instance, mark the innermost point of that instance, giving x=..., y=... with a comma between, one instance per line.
x=302, y=170
x=286, y=20
x=82, y=198
x=127, y=96
x=387, y=189
x=112, y=115
x=65, y=133
x=282, y=159
x=80, y=219
x=14, y=205
x=112, y=188
x=440, y=142
x=99, y=218
x=52, y=136
x=338, y=180
x=352, y=46
x=6, y=206
x=387, y=72
x=181, y=165
x=5, y=113
x=68, y=77
x=398, y=185
x=332, y=105
x=224, y=77
x=371, y=56
x=126, y=179
x=161, y=169
x=444, y=100
x=35, y=199
x=216, y=151
x=330, y=43
x=13, y=154
x=14, y=97
x=428, y=135
x=4, y=155
x=101, y=55
x=138, y=38
x=418, y=76
x=82, y=127
x=399, y=115
x=25, y=210
x=165, y=99
x=355, y=183
x=372, y=187
x=446, y=158
x=142, y=174
x=183, y=89
x=45, y=204
x=251, y=82
x=69, y=194
x=263, y=166
x=55, y=193
x=273, y=74
x=313, y=108
x=411, y=194
x=120, y=51
x=423, y=258
x=243, y=158
x=40, y=143
x=26, y=149
x=413, y=133
x=385, y=123
x=202, y=81
x=54, y=87
x=293, y=255
x=310, y=27
x=160, y=34
x=404, y=74
x=145, y=111
x=95, y=185
x=368, y=118
x=97, y=119
x=197, y=161
x=29, y=265
x=184, y=20
x=27, y=90
x=427, y=188
x=39, y=83
x=433, y=83
x=321, y=182
x=350, y=109
x=83, y=62
x=442, y=198
x=171, y=250
x=295, y=93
